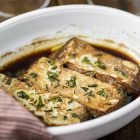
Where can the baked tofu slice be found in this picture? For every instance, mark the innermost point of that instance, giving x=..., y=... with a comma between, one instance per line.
x=54, y=109
x=80, y=56
x=99, y=97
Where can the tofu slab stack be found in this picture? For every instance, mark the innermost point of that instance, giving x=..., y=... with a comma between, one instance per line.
x=95, y=95
x=76, y=83
x=80, y=56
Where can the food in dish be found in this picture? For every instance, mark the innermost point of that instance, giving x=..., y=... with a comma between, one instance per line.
x=76, y=83
x=95, y=95
x=81, y=56
x=53, y=108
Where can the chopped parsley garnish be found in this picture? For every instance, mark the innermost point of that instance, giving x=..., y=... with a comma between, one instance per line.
x=58, y=99
x=23, y=95
x=102, y=93
x=69, y=110
x=8, y=82
x=54, y=117
x=65, y=117
x=40, y=103
x=56, y=107
x=52, y=76
x=33, y=75
x=92, y=85
x=85, y=60
x=74, y=115
x=71, y=82
x=51, y=62
x=20, y=73
x=26, y=79
x=121, y=91
x=121, y=72
x=54, y=68
x=90, y=93
x=50, y=110
x=100, y=65
x=32, y=99
x=85, y=89
x=47, y=88
x=70, y=101
x=90, y=73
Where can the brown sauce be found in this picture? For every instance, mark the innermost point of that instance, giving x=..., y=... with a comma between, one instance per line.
x=117, y=53
x=27, y=60
x=24, y=62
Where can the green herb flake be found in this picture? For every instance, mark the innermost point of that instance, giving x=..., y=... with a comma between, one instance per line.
x=121, y=91
x=58, y=99
x=8, y=82
x=50, y=110
x=85, y=89
x=47, y=88
x=52, y=76
x=26, y=79
x=100, y=65
x=70, y=101
x=56, y=107
x=33, y=75
x=121, y=72
x=71, y=82
x=65, y=117
x=51, y=62
x=90, y=93
x=102, y=93
x=54, y=68
x=20, y=73
x=85, y=60
x=69, y=110
x=23, y=95
x=74, y=115
x=54, y=117
x=92, y=85
x=32, y=99
x=40, y=103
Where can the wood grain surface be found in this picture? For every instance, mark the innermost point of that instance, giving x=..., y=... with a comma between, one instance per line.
x=132, y=130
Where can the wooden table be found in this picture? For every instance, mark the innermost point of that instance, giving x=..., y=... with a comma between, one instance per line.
x=132, y=130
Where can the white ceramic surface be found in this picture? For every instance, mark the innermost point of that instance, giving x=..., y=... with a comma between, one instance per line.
x=93, y=21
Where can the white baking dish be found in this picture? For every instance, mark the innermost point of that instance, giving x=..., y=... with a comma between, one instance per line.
x=95, y=23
